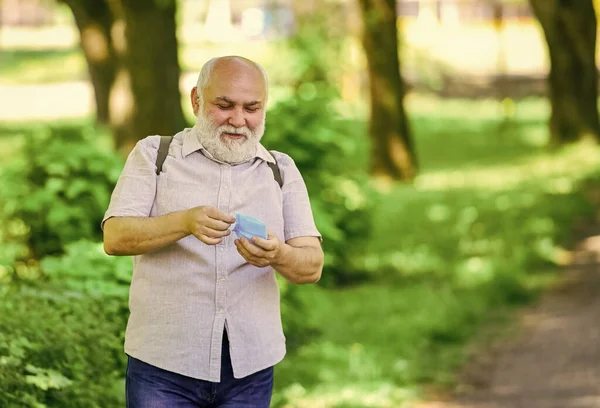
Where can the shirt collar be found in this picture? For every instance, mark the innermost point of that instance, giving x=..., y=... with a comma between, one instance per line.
x=264, y=154
x=191, y=143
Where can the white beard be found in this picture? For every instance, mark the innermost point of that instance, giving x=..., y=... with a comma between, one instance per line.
x=221, y=147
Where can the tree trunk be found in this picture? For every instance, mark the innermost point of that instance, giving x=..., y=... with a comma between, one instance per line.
x=392, y=153
x=147, y=89
x=94, y=22
x=570, y=31
x=131, y=50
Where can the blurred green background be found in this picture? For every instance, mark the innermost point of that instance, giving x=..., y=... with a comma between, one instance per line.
x=445, y=199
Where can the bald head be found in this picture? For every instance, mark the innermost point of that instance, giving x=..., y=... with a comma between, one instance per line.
x=227, y=68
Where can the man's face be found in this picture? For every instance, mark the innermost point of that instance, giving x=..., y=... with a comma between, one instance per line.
x=231, y=119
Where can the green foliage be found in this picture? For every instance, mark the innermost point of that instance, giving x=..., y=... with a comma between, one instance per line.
x=60, y=348
x=313, y=53
x=330, y=151
x=60, y=189
x=301, y=305
x=86, y=268
x=61, y=334
x=326, y=150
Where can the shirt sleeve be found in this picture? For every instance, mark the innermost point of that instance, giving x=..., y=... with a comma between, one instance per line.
x=135, y=190
x=297, y=214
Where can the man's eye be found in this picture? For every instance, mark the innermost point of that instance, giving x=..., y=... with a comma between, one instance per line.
x=252, y=110
x=224, y=106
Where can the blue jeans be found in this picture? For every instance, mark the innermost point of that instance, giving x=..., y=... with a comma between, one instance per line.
x=151, y=387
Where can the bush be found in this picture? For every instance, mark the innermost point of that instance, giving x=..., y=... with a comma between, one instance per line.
x=60, y=189
x=330, y=151
x=61, y=343
x=327, y=151
x=60, y=348
x=87, y=269
x=300, y=308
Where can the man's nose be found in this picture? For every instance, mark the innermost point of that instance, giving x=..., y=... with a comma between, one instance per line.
x=237, y=118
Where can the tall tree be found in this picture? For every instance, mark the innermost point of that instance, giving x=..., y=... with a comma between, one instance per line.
x=392, y=153
x=136, y=77
x=570, y=31
x=94, y=22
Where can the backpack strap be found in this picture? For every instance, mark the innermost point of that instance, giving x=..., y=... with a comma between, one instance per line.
x=163, y=151
x=275, y=168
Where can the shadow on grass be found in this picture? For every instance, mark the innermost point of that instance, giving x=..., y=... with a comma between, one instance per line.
x=459, y=143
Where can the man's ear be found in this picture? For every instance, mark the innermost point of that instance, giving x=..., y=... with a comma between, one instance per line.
x=194, y=100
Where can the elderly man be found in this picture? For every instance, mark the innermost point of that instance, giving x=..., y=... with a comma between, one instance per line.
x=205, y=326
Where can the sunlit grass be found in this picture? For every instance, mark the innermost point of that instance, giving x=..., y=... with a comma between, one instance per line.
x=478, y=110
x=480, y=232
x=557, y=171
x=381, y=343
x=24, y=67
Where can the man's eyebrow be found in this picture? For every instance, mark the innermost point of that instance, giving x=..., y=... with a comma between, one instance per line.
x=228, y=100
x=224, y=98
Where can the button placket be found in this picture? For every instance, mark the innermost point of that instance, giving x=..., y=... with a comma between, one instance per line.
x=221, y=273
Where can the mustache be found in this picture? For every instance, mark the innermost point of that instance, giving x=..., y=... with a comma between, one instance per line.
x=235, y=130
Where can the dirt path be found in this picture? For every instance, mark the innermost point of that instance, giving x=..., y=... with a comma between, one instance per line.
x=555, y=360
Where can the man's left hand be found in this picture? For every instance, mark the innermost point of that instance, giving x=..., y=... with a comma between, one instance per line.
x=261, y=252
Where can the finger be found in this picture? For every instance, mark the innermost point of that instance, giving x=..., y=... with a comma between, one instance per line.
x=243, y=252
x=267, y=245
x=252, y=254
x=215, y=224
x=217, y=214
x=251, y=259
x=214, y=233
x=252, y=249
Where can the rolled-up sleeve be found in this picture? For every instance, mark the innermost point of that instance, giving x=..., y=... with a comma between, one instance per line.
x=135, y=191
x=297, y=213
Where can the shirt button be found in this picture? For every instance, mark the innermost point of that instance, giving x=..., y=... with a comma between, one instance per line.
x=221, y=310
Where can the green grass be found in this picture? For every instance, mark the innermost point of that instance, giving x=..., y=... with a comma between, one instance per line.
x=480, y=232
x=25, y=67
x=383, y=342
x=462, y=134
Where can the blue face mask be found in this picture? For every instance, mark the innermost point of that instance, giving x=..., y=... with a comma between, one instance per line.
x=248, y=227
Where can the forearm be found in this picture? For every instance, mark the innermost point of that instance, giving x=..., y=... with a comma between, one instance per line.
x=300, y=264
x=139, y=235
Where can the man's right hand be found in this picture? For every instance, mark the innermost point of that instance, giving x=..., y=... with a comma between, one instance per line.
x=209, y=224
